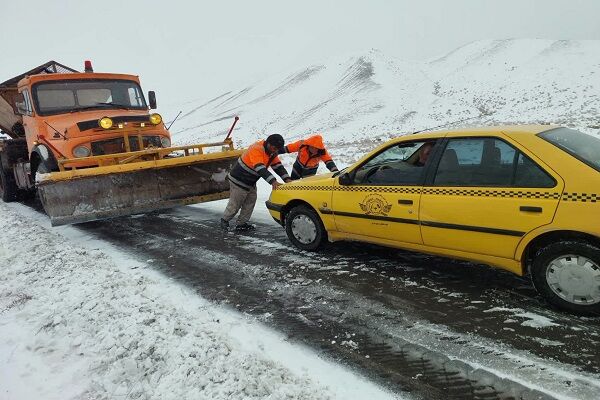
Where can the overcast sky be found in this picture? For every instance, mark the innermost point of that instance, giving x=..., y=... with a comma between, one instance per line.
x=194, y=49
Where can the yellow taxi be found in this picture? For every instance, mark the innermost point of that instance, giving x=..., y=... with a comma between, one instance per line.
x=522, y=198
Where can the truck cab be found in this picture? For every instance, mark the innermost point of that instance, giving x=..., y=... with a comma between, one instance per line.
x=66, y=117
x=73, y=116
x=89, y=146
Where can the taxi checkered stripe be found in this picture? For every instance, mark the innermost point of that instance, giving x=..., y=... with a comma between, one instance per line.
x=379, y=189
x=303, y=187
x=582, y=197
x=573, y=197
x=494, y=193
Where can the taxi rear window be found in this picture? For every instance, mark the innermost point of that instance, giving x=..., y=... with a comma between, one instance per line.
x=584, y=147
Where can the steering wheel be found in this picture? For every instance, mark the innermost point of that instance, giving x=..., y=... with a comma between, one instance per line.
x=374, y=170
x=369, y=173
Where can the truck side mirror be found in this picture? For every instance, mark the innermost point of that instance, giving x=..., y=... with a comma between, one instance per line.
x=152, y=99
x=20, y=104
x=346, y=179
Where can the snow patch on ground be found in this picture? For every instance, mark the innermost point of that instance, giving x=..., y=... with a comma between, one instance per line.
x=80, y=320
x=531, y=319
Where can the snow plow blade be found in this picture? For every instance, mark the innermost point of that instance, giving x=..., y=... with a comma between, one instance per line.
x=134, y=187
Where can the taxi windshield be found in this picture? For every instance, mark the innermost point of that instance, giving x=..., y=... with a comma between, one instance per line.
x=57, y=97
x=401, y=152
x=584, y=147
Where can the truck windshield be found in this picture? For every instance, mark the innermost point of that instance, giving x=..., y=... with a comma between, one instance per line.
x=59, y=97
x=584, y=147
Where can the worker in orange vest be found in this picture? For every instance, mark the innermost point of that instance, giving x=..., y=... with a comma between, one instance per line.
x=310, y=151
x=250, y=167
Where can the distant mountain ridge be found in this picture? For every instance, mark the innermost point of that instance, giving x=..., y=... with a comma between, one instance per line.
x=356, y=100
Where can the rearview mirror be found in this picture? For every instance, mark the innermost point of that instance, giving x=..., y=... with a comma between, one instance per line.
x=20, y=104
x=346, y=179
x=152, y=99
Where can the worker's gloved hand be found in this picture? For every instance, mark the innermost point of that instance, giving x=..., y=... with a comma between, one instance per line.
x=275, y=185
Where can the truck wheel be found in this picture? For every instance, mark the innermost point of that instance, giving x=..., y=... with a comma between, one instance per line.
x=42, y=168
x=567, y=274
x=34, y=194
x=8, y=186
x=304, y=228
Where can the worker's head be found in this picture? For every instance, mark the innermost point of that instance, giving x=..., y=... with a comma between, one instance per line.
x=274, y=143
x=315, y=145
x=424, y=152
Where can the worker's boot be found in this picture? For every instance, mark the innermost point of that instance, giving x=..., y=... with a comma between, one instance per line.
x=245, y=227
x=224, y=224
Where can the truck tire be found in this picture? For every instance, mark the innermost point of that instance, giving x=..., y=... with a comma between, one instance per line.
x=18, y=129
x=8, y=186
x=15, y=151
x=567, y=274
x=42, y=168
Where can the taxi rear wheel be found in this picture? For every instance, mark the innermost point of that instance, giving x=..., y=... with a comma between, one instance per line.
x=304, y=228
x=567, y=274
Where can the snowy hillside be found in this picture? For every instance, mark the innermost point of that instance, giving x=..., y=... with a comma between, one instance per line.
x=359, y=99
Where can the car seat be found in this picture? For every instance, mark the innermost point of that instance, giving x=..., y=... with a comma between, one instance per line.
x=448, y=172
x=490, y=171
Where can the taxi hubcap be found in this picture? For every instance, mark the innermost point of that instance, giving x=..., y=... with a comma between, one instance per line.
x=304, y=229
x=575, y=279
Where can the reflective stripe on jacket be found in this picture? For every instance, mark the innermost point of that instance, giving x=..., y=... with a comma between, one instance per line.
x=253, y=164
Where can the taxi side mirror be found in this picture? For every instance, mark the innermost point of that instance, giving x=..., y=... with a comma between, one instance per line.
x=346, y=179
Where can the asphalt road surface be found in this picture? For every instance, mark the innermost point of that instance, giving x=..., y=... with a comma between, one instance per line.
x=434, y=327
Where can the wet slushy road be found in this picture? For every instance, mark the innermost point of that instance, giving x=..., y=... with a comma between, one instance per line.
x=435, y=327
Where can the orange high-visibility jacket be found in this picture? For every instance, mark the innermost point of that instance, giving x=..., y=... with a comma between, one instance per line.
x=307, y=164
x=253, y=164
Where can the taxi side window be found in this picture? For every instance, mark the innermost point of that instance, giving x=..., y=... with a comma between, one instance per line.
x=528, y=174
x=400, y=164
x=488, y=162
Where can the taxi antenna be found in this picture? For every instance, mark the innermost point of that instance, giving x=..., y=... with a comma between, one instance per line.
x=452, y=123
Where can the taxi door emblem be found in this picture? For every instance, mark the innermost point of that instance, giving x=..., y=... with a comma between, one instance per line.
x=375, y=204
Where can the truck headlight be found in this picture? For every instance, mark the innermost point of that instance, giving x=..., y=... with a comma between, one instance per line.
x=81, y=151
x=165, y=141
x=105, y=123
x=155, y=119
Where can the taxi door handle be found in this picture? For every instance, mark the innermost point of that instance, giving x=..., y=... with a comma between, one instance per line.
x=402, y=201
x=531, y=209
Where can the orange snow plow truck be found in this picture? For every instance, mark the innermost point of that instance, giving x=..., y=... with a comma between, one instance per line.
x=88, y=143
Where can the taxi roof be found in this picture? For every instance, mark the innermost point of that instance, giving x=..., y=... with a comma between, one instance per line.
x=511, y=130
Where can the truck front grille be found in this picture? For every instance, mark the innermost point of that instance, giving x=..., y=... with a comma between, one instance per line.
x=117, y=145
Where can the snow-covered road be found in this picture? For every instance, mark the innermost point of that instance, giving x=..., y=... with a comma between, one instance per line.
x=168, y=306
x=79, y=319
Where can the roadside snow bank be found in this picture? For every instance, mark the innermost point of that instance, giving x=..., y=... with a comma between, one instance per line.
x=74, y=324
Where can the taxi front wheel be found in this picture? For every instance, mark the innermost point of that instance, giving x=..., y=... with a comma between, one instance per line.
x=304, y=228
x=567, y=274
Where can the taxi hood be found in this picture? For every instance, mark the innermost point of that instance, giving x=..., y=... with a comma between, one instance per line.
x=325, y=179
